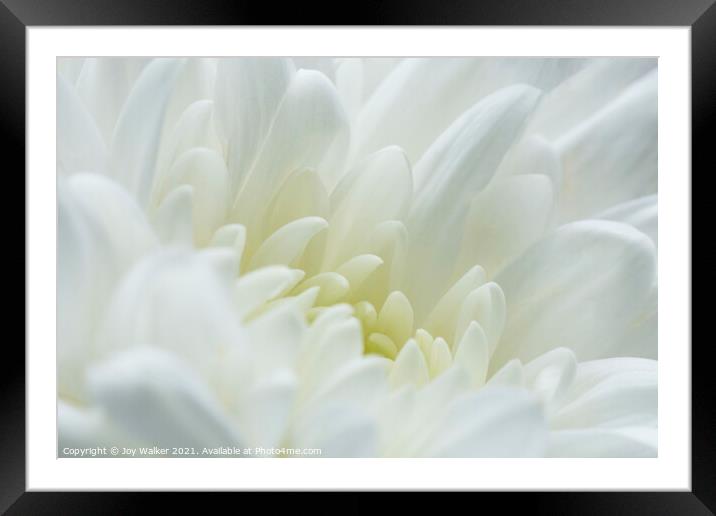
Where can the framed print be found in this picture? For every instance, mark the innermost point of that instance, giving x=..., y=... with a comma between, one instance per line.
x=448, y=256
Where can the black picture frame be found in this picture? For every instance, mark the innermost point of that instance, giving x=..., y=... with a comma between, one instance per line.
x=16, y=15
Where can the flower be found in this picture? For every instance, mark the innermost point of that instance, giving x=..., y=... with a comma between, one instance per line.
x=366, y=257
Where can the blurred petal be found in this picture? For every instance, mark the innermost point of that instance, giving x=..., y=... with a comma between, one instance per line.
x=494, y=422
x=286, y=244
x=549, y=376
x=443, y=318
x=265, y=411
x=378, y=189
x=473, y=354
x=389, y=241
x=337, y=432
x=274, y=339
x=169, y=287
x=611, y=157
x=410, y=367
x=248, y=94
x=641, y=213
x=423, y=96
x=158, y=400
x=257, y=287
x=301, y=195
x=455, y=168
x=135, y=141
x=486, y=305
x=104, y=84
x=615, y=393
x=80, y=146
x=204, y=170
x=603, y=442
x=310, y=108
x=504, y=220
x=79, y=427
x=174, y=217
x=101, y=234
x=586, y=92
x=579, y=288
x=70, y=68
x=193, y=129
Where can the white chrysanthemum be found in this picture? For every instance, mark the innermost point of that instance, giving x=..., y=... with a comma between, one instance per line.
x=376, y=257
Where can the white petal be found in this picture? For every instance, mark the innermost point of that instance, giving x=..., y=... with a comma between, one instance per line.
x=104, y=85
x=486, y=305
x=409, y=367
x=593, y=372
x=193, y=129
x=310, y=108
x=378, y=189
x=603, y=442
x=70, y=68
x=440, y=358
x=359, y=268
x=248, y=94
x=286, y=245
x=113, y=214
x=455, y=168
x=512, y=374
x=550, y=375
x=158, y=400
x=334, y=287
x=325, y=65
x=135, y=141
x=302, y=302
x=349, y=83
x=640, y=337
x=340, y=344
x=174, y=218
x=532, y=155
x=642, y=213
x=473, y=354
x=494, y=422
x=362, y=382
x=395, y=318
x=325, y=321
x=410, y=417
x=301, y=195
x=381, y=345
x=337, y=431
x=436, y=396
x=194, y=82
x=443, y=318
x=80, y=146
x=204, y=170
x=82, y=427
x=397, y=429
x=421, y=97
x=614, y=393
x=389, y=241
x=265, y=411
x=257, y=287
x=504, y=220
x=166, y=288
x=232, y=236
x=375, y=71
x=611, y=157
x=101, y=234
x=585, y=93
x=274, y=339
x=579, y=288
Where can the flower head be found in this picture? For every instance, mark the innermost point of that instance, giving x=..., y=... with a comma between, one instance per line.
x=418, y=257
